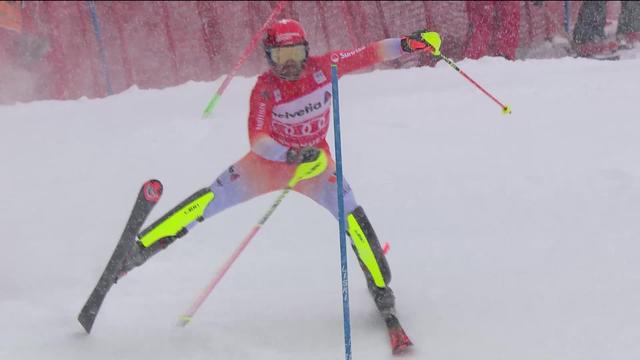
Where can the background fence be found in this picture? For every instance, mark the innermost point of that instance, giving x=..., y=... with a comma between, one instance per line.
x=70, y=49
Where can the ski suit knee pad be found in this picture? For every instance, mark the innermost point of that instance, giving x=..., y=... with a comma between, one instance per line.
x=174, y=223
x=367, y=247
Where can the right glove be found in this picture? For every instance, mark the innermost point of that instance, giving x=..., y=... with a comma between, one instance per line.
x=302, y=155
x=422, y=40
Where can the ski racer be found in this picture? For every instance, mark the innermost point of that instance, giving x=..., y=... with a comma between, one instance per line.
x=288, y=122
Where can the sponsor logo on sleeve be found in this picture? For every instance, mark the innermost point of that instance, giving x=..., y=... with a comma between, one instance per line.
x=348, y=54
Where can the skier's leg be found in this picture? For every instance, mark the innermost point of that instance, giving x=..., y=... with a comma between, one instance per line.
x=373, y=262
x=364, y=241
x=244, y=180
x=171, y=226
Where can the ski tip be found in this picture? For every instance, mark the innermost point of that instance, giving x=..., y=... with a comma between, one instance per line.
x=86, y=322
x=152, y=190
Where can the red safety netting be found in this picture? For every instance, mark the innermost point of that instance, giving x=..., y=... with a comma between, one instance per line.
x=63, y=52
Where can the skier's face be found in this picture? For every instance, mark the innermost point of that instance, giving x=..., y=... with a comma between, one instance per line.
x=288, y=61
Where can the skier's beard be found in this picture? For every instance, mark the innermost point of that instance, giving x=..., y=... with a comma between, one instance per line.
x=290, y=70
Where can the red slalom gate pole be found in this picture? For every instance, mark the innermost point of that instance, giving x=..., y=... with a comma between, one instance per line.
x=245, y=55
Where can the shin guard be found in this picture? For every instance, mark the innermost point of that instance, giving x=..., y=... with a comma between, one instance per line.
x=366, y=245
x=167, y=229
x=174, y=223
x=372, y=261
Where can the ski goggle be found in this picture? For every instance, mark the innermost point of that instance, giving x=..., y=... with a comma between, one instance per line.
x=280, y=55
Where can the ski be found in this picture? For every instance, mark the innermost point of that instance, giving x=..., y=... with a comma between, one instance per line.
x=148, y=196
x=400, y=342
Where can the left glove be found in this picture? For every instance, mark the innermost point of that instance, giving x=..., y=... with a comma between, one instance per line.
x=422, y=40
x=302, y=155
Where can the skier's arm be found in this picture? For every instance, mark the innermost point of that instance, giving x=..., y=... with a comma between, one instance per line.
x=383, y=50
x=379, y=51
x=260, y=107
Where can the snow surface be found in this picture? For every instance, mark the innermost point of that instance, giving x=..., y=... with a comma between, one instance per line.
x=511, y=237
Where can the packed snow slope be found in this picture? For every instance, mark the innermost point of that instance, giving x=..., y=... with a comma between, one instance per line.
x=512, y=237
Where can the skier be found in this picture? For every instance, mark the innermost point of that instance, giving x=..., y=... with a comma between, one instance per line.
x=288, y=123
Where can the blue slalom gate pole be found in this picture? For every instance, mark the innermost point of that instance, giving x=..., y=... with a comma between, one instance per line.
x=341, y=218
x=98, y=34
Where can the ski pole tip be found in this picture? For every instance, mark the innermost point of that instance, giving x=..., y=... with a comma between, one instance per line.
x=506, y=110
x=184, y=320
x=206, y=114
x=210, y=106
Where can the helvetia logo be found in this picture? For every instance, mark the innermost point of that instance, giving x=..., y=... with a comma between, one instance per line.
x=311, y=107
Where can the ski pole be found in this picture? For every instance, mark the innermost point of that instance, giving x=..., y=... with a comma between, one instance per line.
x=303, y=171
x=245, y=55
x=506, y=109
x=433, y=39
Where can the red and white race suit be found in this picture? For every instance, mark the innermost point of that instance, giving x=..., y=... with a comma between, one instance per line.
x=285, y=114
x=292, y=114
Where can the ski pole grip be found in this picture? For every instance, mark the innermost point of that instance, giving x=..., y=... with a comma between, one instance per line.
x=308, y=170
x=433, y=39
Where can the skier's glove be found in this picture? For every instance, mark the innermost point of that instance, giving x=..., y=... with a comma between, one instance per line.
x=422, y=40
x=302, y=155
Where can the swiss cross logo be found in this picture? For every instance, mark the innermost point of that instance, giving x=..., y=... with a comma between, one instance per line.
x=319, y=77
